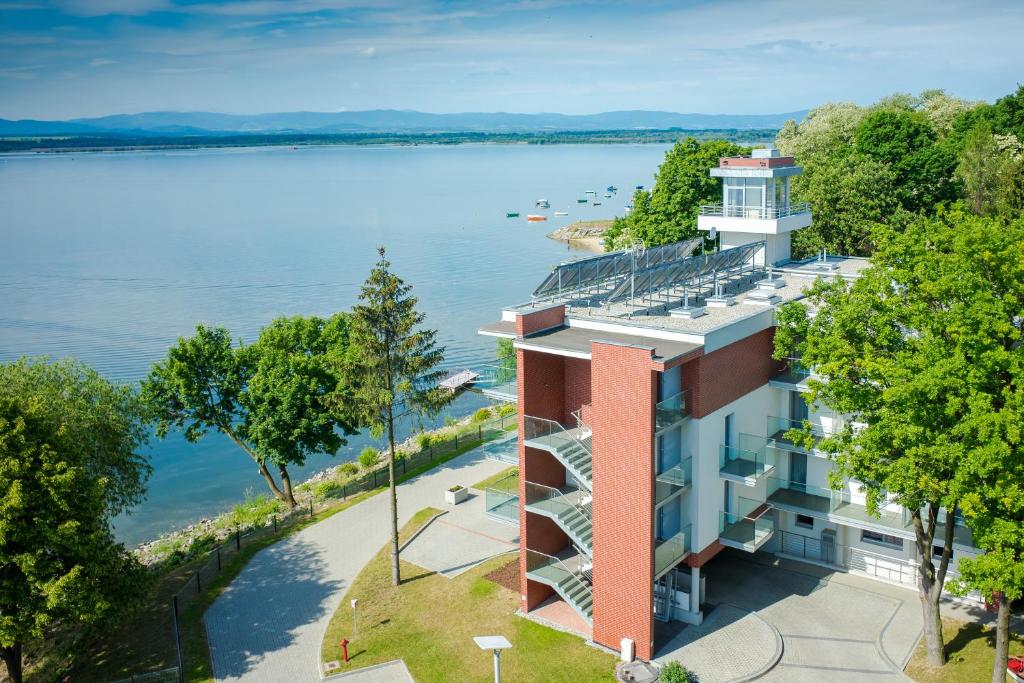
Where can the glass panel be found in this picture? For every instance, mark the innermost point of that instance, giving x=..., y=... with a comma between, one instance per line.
x=502, y=498
x=671, y=410
x=670, y=551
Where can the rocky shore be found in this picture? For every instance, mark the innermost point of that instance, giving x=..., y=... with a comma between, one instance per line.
x=588, y=234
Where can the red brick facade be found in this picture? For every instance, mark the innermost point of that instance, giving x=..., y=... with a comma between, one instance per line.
x=541, y=319
x=749, y=162
x=624, y=390
x=718, y=378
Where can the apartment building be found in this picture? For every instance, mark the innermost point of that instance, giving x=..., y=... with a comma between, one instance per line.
x=653, y=420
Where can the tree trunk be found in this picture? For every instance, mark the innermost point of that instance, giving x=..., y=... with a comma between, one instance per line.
x=264, y=472
x=286, y=482
x=12, y=658
x=396, y=574
x=931, y=580
x=934, y=646
x=1002, y=638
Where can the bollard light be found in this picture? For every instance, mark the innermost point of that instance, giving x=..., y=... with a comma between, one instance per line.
x=355, y=627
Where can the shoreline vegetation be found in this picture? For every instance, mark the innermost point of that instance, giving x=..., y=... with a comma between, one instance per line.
x=64, y=144
x=586, y=234
x=174, y=548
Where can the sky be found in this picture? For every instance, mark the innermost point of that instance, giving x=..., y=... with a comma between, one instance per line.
x=62, y=59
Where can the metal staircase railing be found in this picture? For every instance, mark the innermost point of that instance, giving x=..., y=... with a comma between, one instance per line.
x=568, y=445
x=553, y=572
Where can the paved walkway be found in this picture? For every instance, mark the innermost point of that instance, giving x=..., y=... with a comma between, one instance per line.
x=269, y=623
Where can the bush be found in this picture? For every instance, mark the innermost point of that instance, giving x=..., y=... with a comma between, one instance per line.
x=348, y=469
x=674, y=672
x=254, y=511
x=327, y=489
x=450, y=421
x=425, y=440
x=482, y=415
x=506, y=409
x=369, y=458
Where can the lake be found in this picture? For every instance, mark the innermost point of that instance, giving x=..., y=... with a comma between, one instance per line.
x=110, y=257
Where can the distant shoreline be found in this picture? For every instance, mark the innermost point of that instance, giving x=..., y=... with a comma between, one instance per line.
x=81, y=144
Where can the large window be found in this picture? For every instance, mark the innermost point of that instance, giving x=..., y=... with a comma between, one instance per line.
x=881, y=539
x=746, y=193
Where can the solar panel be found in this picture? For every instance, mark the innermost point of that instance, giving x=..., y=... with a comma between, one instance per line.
x=608, y=269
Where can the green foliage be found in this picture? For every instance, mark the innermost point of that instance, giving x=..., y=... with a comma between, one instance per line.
x=674, y=672
x=68, y=465
x=505, y=409
x=481, y=415
x=348, y=470
x=992, y=171
x=425, y=440
x=923, y=352
x=450, y=421
x=369, y=458
x=255, y=511
x=505, y=350
x=270, y=398
x=668, y=213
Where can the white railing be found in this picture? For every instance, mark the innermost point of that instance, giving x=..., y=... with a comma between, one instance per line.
x=754, y=211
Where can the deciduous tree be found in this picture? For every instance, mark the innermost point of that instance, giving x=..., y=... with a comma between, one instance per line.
x=918, y=352
x=69, y=463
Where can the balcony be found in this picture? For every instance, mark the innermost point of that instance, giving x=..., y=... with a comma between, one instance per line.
x=747, y=463
x=779, y=426
x=566, y=576
x=499, y=381
x=745, y=532
x=668, y=552
x=671, y=410
x=569, y=445
x=501, y=499
x=673, y=480
x=833, y=505
x=569, y=508
x=764, y=213
x=794, y=375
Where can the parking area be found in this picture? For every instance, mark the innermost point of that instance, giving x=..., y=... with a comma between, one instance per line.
x=830, y=626
x=461, y=538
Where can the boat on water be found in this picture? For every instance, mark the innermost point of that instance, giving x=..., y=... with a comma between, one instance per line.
x=639, y=187
x=534, y=218
x=582, y=201
x=561, y=213
x=611, y=188
x=607, y=195
x=542, y=204
x=511, y=214
x=596, y=203
x=590, y=192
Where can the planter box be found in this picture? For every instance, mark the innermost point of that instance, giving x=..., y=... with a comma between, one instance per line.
x=457, y=496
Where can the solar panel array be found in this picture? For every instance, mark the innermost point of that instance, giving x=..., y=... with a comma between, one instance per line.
x=684, y=271
x=608, y=269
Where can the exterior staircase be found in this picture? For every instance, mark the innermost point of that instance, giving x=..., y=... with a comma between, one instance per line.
x=565, y=577
x=570, y=509
x=571, y=446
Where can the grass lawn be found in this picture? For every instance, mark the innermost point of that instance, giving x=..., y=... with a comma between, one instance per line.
x=429, y=621
x=969, y=651
x=481, y=485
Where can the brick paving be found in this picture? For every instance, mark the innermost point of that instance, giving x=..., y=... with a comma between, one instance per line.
x=268, y=624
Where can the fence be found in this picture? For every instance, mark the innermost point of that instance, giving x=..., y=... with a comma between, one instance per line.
x=434, y=451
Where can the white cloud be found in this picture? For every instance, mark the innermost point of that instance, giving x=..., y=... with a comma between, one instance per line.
x=102, y=61
x=368, y=51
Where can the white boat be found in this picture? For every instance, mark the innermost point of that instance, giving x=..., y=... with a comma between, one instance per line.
x=543, y=204
x=590, y=192
x=561, y=213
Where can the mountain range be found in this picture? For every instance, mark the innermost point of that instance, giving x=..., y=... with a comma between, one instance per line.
x=170, y=123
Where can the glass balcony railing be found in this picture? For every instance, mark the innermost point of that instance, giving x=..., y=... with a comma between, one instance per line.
x=778, y=427
x=501, y=499
x=750, y=460
x=793, y=372
x=549, y=435
x=668, y=552
x=672, y=480
x=820, y=501
x=770, y=212
x=744, y=532
x=672, y=410
x=499, y=380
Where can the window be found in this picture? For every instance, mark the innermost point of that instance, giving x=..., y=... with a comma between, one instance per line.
x=805, y=521
x=729, y=420
x=936, y=551
x=881, y=539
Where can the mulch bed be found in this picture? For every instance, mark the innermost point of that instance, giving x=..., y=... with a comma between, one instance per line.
x=507, y=575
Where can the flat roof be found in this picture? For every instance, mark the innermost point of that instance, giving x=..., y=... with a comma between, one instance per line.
x=577, y=341
x=502, y=328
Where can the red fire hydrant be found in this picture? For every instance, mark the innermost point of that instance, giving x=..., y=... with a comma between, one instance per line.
x=344, y=649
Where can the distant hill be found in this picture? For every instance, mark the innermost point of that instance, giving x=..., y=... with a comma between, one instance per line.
x=183, y=124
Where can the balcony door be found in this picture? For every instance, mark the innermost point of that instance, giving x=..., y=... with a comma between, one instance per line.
x=797, y=407
x=798, y=470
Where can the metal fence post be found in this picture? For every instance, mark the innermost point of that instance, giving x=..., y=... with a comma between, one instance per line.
x=238, y=539
x=456, y=441
x=344, y=491
x=479, y=433
x=310, y=507
x=275, y=524
x=218, y=559
x=199, y=588
x=177, y=640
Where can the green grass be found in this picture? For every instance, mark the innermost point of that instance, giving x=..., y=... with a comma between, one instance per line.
x=429, y=622
x=489, y=481
x=970, y=648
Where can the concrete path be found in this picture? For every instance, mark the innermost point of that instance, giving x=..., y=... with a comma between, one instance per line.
x=269, y=623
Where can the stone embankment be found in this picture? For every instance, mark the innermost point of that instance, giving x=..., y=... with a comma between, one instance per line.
x=589, y=234
x=198, y=537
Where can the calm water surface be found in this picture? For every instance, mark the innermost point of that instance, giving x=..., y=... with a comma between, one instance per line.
x=110, y=257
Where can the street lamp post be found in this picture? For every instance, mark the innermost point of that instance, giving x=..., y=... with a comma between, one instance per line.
x=496, y=644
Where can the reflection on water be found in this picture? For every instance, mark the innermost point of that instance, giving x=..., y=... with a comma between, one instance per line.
x=110, y=257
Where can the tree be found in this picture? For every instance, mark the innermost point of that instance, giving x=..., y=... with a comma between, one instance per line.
x=68, y=465
x=269, y=398
x=396, y=364
x=668, y=213
x=917, y=352
x=992, y=172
